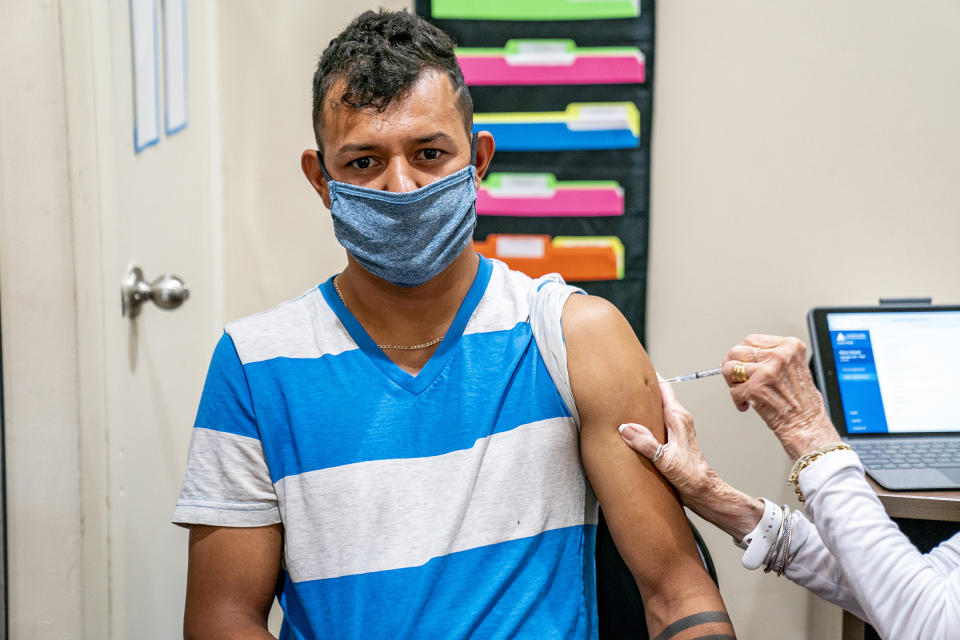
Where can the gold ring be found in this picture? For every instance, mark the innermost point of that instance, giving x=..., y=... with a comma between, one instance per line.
x=739, y=373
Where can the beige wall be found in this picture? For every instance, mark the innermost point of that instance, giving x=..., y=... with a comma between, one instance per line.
x=278, y=237
x=804, y=154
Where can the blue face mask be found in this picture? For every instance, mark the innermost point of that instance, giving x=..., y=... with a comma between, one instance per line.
x=406, y=238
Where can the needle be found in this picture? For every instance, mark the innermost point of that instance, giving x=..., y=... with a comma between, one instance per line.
x=696, y=375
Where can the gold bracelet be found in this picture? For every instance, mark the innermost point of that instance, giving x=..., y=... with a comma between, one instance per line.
x=804, y=461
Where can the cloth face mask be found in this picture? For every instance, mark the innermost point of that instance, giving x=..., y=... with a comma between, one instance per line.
x=406, y=238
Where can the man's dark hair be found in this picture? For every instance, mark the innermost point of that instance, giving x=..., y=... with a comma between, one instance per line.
x=379, y=56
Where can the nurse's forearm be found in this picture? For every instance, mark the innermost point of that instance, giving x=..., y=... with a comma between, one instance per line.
x=728, y=508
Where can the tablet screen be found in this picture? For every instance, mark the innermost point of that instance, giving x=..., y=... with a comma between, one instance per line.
x=897, y=371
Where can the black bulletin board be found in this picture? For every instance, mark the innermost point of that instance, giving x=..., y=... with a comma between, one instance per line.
x=629, y=167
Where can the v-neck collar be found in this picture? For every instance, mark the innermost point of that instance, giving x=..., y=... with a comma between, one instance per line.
x=412, y=383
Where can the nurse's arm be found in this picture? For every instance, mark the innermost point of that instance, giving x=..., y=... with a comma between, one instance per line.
x=613, y=382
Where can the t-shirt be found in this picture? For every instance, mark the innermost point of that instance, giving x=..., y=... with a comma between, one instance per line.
x=449, y=504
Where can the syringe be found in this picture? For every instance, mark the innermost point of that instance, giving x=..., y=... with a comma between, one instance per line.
x=696, y=375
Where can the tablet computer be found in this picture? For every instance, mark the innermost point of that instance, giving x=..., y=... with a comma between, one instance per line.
x=890, y=377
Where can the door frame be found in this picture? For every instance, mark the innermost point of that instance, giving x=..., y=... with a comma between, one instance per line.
x=4, y=600
x=51, y=198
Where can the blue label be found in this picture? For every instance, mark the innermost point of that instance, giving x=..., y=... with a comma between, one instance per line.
x=857, y=378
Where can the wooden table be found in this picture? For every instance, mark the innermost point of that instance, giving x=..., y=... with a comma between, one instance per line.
x=919, y=505
x=939, y=506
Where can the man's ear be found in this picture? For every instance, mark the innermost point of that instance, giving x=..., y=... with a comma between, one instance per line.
x=310, y=163
x=485, y=148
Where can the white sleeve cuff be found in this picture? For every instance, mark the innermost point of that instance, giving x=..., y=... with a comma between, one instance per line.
x=759, y=541
x=816, y=474
x=220, y=514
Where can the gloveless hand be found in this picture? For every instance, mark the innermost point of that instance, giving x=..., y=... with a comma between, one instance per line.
x=683, y=464
x=681, y=461
x=779, y=387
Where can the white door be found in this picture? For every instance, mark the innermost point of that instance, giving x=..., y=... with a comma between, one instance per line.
x=157, y=209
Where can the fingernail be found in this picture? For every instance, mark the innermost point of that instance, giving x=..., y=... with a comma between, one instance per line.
x=627, y=431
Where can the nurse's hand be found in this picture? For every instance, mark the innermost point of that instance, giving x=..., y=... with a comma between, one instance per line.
x=682, y=463
x=778, y=385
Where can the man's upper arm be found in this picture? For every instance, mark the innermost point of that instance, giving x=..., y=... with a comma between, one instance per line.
x=230, y=505
x=613, y=382
x=231, y=578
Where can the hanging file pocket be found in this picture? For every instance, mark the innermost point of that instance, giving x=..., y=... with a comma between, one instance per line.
x=590, y=125
x=539, y=62
x=542, y=195
x=564, y=184
x=538, y=10
x=612, y=273
x=582, y=259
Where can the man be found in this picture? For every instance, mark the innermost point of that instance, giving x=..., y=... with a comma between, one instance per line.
x=388, y=453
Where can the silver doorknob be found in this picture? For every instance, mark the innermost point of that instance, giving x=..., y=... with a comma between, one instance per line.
x=167, y=292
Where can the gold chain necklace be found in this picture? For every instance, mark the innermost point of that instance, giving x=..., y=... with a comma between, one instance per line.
x=391, y=346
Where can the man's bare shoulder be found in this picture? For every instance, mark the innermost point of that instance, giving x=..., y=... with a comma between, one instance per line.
x=597, y=320
x=581, y=310
x=609, y=369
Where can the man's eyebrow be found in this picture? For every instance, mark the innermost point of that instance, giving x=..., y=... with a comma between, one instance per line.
x=433, y=137
x=350, y=147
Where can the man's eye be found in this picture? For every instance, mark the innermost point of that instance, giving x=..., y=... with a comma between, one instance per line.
x=431, y=154
x=361, y=163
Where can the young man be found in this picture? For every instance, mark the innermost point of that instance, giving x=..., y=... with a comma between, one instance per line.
x=388, y=453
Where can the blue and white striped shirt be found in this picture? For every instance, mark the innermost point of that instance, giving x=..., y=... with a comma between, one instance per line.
x=450, y=504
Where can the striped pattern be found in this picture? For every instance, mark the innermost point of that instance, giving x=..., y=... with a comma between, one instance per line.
x=451, y=503
x=433, y=506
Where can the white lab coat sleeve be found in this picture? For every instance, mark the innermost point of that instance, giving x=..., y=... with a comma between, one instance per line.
x=815, y=569
x=901, y=592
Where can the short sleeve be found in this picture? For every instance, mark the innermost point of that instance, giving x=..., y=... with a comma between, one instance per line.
x=548, y=295
x=227, y=482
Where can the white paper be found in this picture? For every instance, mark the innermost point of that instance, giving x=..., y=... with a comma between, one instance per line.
x=593, y=118
x=146, y=109
x=518, y=185
x=549, y=52
x=175, y=64
x=520, y=247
